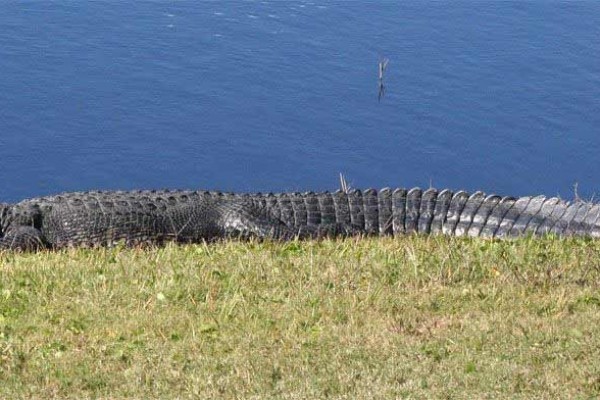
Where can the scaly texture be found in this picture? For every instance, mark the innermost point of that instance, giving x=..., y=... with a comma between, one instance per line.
x=153, y=217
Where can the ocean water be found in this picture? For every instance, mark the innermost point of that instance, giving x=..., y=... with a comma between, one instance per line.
x=283, y=95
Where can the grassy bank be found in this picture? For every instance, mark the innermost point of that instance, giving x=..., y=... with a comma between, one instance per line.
x=412, y=317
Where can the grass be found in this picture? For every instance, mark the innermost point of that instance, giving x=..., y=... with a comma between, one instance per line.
x=412, y=317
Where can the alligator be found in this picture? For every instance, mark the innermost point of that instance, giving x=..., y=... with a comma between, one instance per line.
x=105, y=218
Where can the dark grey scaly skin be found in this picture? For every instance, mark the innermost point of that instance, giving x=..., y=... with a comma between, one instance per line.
x=153, y=217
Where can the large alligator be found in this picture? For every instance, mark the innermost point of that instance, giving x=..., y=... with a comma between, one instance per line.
x=153, y=217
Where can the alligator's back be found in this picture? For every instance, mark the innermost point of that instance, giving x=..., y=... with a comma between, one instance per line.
x=103, y=218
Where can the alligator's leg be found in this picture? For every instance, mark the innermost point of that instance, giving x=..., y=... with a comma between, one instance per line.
x=24, y=238
x=246, y=220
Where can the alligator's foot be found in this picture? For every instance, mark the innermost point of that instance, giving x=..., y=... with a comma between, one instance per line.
x=23, y=238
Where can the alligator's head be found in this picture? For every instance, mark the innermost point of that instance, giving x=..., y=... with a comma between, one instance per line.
x=3, y=217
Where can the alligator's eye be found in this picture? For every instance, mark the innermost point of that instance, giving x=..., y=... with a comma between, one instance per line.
x=76, y=202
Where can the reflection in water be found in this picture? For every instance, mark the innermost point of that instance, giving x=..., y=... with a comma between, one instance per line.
x=382, y=66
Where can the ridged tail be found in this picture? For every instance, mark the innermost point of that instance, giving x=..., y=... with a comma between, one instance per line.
x=404, y=211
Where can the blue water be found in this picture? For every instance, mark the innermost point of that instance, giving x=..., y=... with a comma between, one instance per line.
x=282, y=95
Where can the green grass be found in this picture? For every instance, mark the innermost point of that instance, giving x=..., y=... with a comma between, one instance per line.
x=413, y=317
